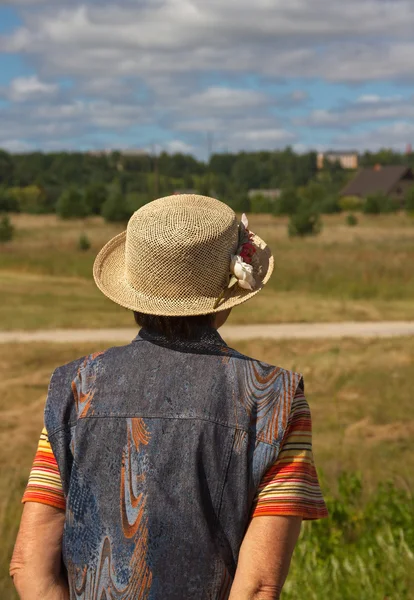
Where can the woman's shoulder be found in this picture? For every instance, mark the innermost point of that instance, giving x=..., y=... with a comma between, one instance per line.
x=265, y=373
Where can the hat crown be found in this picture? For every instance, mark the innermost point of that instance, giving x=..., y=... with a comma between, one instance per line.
x=180, y=247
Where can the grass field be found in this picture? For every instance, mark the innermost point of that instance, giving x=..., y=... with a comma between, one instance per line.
x=360, y=273
x=361, y=400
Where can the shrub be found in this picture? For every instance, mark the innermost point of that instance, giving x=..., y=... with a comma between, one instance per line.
x=259, y=204
x=375, y=204
x=330, y=205
x=314, y=196
x=8, y=203
x=30, y=199
x=305, y=222
x=72, y=205
x=287, y=203
x=6, y=229
x=409, y=201
x=351, y=220
x=351, y=203
x=116, y=208
x=84, y=242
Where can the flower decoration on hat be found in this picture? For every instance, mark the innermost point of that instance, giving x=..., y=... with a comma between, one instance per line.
x=241, y=270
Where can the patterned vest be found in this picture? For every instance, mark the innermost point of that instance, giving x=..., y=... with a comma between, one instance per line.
x=161, y=447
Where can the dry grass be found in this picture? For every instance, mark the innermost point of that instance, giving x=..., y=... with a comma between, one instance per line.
x=361, y=273
x=359, y=393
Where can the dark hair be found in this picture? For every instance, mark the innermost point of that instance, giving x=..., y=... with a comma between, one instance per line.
x=175, y=327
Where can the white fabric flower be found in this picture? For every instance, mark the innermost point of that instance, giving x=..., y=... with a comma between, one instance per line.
x=243, y=273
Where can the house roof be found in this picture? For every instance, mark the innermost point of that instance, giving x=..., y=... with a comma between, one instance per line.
x=370, y=181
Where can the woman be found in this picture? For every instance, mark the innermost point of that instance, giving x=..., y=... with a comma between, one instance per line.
x=173, y=467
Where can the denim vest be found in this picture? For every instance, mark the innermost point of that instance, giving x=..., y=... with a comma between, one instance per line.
x=161, y=447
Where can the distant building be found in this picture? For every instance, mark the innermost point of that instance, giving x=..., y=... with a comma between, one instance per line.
x=268, y=194
x=392, y=181
x=347, y=159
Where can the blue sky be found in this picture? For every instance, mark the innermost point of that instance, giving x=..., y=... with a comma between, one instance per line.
x=169, y=74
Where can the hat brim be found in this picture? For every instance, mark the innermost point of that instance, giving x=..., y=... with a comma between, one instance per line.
x=109, y=274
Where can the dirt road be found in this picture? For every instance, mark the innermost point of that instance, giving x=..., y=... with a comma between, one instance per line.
x=382, y=329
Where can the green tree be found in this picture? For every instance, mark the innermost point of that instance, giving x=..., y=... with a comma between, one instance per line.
x=95, y=196
x=374, y=204
x=305, y=222
x=8, y=203
x=6, y=168
x=313, y=195
x=246, y=172
x=6, y=229
x=72, y=204
x=409, y=200
x=136, y=200
x=31, y=199
x=259, y=204
x=116, y=208
x=287, y=203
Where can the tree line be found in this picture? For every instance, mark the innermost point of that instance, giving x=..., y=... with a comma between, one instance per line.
x=114, y=185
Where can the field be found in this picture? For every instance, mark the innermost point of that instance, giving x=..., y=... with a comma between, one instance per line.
x=359, y=391
x=347, y=273
x=361, y=400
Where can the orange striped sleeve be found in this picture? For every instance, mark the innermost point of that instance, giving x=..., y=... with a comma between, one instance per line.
x=44, y=485
x=291, y=487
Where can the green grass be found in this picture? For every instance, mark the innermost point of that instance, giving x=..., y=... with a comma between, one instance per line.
x=360, y=273
x=361, y=401
x=363, y=551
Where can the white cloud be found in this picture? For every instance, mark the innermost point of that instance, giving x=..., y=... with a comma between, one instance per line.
x=224, y=99
x=395, y=135
x=352, y=41
x=28, y=88
x=176, y=146
x=153, y=62
x=15, y=145
x=365, y=109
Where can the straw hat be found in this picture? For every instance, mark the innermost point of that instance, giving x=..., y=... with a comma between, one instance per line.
x=174, y=259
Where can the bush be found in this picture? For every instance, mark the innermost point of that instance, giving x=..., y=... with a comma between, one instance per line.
x=116, y=208
x=30, y=199
x=83, y=243
x=287, y=203
x=330, y=205
x=305, y=222
x=351, y=220
x=351, y=203
x=6, y=229
x=72, y=205
x=8, y=203
x=409, y=201
x=313, y=196
x=375, y=204
x=259, y=204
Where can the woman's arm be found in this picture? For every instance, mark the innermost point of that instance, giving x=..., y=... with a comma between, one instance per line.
x=264, y=558
x=36, y=565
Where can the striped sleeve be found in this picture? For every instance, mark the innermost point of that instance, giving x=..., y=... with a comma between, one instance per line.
x=44, y=485
x=291, y=487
